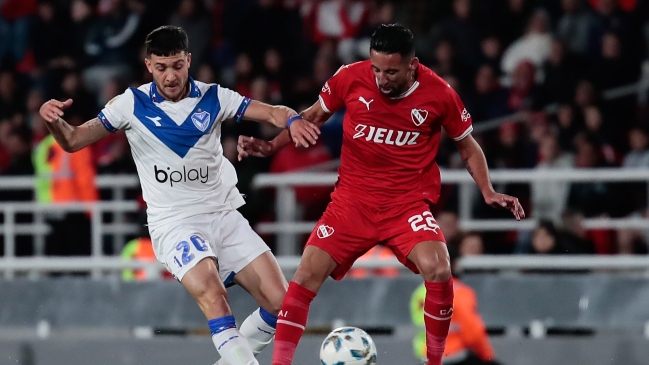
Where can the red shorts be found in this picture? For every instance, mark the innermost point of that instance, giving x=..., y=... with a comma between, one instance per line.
x=349, y=228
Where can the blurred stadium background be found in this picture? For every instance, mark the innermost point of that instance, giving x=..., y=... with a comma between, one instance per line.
x=558, y=94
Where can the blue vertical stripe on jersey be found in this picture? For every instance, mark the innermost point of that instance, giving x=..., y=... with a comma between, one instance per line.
x=109, y=127
x=242, y=109
x=179, y=138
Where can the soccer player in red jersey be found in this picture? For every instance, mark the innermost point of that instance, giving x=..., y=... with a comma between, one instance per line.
x=388, y=179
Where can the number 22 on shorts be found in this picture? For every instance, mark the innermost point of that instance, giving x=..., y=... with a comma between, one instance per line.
x=423, y=221
x=185, y=248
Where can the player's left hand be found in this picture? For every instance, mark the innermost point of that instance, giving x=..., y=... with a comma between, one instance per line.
x=504, y=201
x=304, y=133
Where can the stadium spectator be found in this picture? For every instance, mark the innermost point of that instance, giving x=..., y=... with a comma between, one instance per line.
x=109, y=44
x=545, y=240
x=638, y=156
x=549, y=197
x=15, y=24
x=192, y=16
x=141, y=249
x=524, y=93
x=593, y=198
x=576, y=26
x=462, y=31
x=631, y=241
x=47, y=32
x=534, y=46
x=490, y=99
x=491, y=55
x=574, y=235
x=11, y=96
x=64, y=177
x=450, y=225
x=561, y=72
x=352, y=49
x=377, y=253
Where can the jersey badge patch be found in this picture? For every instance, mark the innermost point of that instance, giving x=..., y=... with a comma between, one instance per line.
x=201, y=120
x=418, y=116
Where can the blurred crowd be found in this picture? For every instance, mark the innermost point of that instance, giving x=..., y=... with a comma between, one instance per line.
x=549, y=65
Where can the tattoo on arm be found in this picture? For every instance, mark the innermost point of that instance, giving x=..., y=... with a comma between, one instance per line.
x=468, y=167
x=94, y=123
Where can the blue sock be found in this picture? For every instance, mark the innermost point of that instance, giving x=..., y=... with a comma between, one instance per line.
x=270, y=319
x=221, y=324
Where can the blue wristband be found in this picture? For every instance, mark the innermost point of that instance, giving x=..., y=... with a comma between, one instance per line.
x=292, y=119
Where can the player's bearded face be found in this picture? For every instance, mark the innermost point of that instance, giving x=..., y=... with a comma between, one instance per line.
x=394, y=73
x=170, y=74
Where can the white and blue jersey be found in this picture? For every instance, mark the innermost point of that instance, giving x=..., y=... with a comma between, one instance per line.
x=177, y=148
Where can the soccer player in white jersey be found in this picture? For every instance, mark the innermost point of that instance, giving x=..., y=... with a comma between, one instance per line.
x=173, y=126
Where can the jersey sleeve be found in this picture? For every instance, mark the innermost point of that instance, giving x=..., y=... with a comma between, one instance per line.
x=114, y=116
x=457, y=121
x=332, y=95
x=233, y=104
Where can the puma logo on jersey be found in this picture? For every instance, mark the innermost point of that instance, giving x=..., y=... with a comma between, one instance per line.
x=386, y=136
x=367, y=103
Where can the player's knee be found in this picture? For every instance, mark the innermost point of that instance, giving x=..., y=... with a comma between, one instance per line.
x=434, y=269
x=273, y=300
x=309, y=279
x=207, y=290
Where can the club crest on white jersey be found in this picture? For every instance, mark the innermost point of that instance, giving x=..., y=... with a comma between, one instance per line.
x=201, y=120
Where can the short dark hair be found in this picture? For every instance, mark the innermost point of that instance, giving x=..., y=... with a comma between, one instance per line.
x=167, y=40
x=393, y=38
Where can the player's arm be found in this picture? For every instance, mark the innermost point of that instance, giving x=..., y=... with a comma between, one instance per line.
x=476, y=165
x=250, y=146
x=69, y=137
x=302, y=131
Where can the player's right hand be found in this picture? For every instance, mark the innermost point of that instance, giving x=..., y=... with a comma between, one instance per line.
x=52, y=110
x=251, y=146
x=304, y=133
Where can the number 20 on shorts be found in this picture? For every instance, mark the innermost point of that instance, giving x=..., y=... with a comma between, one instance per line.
x=423, y=221
x=185, y=248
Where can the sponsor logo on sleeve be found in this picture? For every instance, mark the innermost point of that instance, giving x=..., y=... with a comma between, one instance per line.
x=465, y=115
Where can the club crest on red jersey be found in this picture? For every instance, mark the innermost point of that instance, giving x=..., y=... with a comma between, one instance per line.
x=324, y=231
x=418, y=116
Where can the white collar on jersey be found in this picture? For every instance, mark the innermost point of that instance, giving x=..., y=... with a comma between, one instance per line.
x=405, y=93
x=195, y=92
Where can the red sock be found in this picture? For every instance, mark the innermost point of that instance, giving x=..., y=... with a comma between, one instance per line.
x=291, y=322
x=438, y=309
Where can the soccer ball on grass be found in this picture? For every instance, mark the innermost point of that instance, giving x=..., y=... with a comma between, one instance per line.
x=348, y=346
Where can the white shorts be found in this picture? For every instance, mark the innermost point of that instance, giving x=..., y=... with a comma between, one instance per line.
x=225, y=236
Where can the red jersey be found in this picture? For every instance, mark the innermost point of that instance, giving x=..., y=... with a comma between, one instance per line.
x=390, y=144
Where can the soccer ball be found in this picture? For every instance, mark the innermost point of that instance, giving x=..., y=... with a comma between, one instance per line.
x=348, y=346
